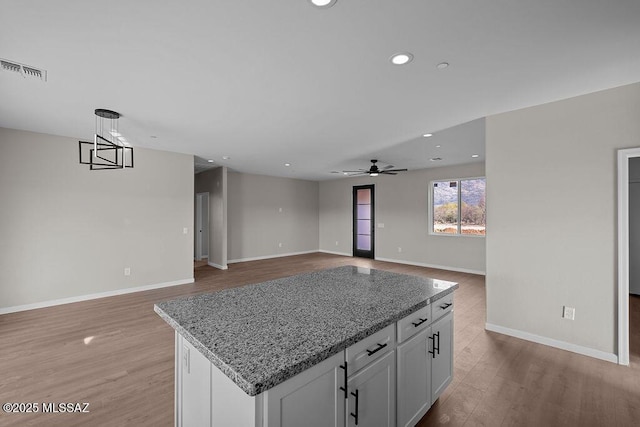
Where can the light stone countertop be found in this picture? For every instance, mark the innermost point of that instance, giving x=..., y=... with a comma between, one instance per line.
x=263, y=334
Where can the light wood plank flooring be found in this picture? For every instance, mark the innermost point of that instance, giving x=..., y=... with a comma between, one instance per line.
x=117, y=354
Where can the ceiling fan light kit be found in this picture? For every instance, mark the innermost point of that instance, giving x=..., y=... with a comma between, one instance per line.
x=374, y=170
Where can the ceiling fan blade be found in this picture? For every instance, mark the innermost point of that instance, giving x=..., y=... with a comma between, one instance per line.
x=360, y=170
x=396, y=170
x=388, y=173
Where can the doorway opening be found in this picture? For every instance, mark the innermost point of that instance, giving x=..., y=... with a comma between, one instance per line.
x=626, y=233
x=363, y=221
x=202, y=227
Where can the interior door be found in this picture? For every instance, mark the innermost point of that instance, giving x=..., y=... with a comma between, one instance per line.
x=363, y=221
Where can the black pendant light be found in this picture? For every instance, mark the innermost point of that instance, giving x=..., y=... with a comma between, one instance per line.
x=109, y=149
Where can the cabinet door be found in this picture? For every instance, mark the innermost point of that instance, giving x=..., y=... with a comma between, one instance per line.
x=311, y=398
x=193, y=379
x=442, y=355
x=372, y=397
x=414, y=379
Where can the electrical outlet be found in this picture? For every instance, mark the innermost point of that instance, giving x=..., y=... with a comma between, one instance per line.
x=186, y=359
x=127, y=271
x=569, y=313
x=381, y=225
x=185, y=230
x=279, y=245
x=336, y=243
x=399, y=249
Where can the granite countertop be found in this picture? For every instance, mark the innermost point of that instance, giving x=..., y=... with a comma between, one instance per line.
x=263, y=334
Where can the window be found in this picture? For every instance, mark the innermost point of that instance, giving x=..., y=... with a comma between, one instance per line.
x=458, y=207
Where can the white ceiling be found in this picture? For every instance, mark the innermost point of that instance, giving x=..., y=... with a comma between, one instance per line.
x=269, y=82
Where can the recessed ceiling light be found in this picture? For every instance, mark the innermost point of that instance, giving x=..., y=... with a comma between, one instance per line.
x=435, y=159
x=287, y=164
x=442, y=65
x=225, y=157
x=116, y=134
x=438, y=146
x=475, y=156
x=323, y=3
x=427, y=135
x=401, y=58
x=210, y=161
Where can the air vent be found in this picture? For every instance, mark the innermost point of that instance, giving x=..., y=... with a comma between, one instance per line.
x=32, y=72
x=24, y=70
x=10, y=66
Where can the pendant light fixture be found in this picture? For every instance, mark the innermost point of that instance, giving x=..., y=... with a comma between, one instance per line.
x=109, y=149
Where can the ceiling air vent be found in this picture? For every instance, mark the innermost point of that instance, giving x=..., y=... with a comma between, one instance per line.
x=10, y=66
x=24, y=70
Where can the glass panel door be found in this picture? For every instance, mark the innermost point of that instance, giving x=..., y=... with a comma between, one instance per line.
x=363, y=221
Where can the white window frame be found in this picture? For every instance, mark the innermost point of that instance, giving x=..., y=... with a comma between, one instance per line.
x=459, y=185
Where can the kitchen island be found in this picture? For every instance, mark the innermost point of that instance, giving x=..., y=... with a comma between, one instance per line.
x=331, y=347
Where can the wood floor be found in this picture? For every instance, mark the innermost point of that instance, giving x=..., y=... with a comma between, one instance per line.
x=117, y=354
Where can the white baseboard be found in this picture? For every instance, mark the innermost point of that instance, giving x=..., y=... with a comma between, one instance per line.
x=69, y=300
x=586, y=351
x=218, y=266
x=439, y=267
x=334, y=253
x=258, y=258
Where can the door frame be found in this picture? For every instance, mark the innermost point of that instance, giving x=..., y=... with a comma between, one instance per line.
x=355, y=251
x=623, y=252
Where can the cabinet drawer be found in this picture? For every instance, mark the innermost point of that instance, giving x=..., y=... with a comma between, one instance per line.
x=414, y=323
x=442, y=306
x=371, y=348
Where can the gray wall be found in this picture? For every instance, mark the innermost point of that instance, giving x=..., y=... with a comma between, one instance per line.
x=256, y=226
x=551, y=212
x=68, y=232
x=214, y=182
x=402, y=206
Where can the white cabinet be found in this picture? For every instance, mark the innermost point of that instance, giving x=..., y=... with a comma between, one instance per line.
x=312, y=398
x=372, y=394
x=193, y=385
x=425, y=368
x=414, y=323
x=414, y=379
x=371, y=348
x=442, y=306
x=388, y=382
x=441, y=351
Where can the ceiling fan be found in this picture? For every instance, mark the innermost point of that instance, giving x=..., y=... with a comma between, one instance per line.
x=375, y=171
